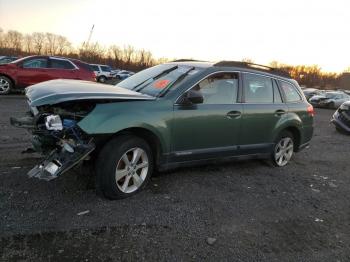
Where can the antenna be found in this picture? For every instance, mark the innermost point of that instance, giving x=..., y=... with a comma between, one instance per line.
x=86, y=44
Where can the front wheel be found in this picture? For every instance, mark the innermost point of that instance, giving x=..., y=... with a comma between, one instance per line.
x=124, y=167
x=283, y=149
x=5, y=85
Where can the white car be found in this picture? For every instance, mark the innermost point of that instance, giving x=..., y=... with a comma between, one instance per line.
x=103, y=72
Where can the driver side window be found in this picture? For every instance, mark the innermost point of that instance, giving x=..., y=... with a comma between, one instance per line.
x=220, y=88
x=35, y=63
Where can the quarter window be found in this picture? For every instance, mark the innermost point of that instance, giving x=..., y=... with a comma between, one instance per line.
x=61, y=64
x=106, y=68
x=218, y=89
x=292, y=95
x=35, y=63
x=257, y=89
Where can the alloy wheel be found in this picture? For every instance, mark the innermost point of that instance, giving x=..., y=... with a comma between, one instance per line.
x=284, y=151
x=4, y=86
x=132, y=170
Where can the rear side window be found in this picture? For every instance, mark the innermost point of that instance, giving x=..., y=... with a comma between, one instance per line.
x=95, y=67
x=106, y=68
x=257, y=89
x=35, y=63
x=290, y=91
x=61, y=64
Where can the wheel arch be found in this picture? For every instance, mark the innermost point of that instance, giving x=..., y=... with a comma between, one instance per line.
x=9, y=77
x=150, y=137
x=296, y=132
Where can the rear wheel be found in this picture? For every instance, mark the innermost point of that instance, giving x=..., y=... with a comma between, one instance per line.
x=124, y=167
x=5, y=85
x=283, y=149
x=102, y=79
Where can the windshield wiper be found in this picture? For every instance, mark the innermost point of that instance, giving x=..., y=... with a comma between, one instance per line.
x=182, y=76
x=141, y=86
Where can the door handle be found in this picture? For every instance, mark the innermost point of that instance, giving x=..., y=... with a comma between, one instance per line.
x=233, y=114
x=279, y=112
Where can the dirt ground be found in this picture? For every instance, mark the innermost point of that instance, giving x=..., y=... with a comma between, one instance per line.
x=241, y=211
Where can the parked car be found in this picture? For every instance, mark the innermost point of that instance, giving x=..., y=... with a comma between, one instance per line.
x=310, y=92
x=329, y=99
x=170, y=115
x=35, y=69
x=103, y=72
x=123, y=74
x=341, y=118
x=7, y=59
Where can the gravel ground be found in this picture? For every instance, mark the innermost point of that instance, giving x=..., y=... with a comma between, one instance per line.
x=240, y=211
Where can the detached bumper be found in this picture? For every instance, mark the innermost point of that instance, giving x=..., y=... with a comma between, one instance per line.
x=60, y=161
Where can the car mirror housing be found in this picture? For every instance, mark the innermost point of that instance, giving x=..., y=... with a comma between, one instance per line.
x=193, y=97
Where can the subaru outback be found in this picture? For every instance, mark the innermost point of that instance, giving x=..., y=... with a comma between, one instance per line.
x=175, y=114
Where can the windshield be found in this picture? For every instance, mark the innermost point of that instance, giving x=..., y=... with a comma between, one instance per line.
x=155, y=80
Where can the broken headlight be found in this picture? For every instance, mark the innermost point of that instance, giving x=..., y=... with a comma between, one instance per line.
x=53, y=122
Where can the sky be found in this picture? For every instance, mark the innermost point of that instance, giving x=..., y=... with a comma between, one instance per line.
x=292, y=32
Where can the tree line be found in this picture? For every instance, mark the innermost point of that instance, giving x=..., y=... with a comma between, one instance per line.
x=128, y=57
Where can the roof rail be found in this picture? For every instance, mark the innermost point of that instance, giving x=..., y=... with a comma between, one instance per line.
x=187, y=60
x=254, y=66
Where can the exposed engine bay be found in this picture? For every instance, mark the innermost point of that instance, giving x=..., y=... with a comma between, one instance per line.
x=57, y=136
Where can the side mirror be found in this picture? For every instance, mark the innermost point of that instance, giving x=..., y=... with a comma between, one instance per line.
x=193, y=97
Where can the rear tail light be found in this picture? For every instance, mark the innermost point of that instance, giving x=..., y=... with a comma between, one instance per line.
x=310, y=110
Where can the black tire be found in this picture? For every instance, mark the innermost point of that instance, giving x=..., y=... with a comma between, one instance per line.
x=102, y=79
x=6, y=85
x=331, y=105
x=283, y=135
x=108, y=159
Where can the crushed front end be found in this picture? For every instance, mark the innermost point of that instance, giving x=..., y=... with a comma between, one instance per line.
x=341, y=118
x=57, y=136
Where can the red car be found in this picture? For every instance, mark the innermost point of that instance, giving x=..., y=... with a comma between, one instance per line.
x=35, y=69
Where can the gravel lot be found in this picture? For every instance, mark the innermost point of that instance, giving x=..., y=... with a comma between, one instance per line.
x=248, y=210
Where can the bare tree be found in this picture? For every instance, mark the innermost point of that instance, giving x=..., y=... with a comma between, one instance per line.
x=64, y=46
x=38, y=42
x=50, y=44
x=28, y=43
x=14, y=40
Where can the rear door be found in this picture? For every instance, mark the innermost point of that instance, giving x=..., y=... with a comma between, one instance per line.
x=209, y=129
x=33, y=71
x=263, y=109
x=62, y=69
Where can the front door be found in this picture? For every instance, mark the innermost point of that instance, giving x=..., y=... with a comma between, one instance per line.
x=209, y=129
x=33, y=71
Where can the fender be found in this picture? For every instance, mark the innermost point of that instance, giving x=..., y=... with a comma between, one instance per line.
x=111, y=118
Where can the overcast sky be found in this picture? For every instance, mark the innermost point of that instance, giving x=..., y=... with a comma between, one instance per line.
x=293, y=32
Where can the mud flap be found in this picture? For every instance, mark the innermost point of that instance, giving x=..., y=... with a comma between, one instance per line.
x=60, y=161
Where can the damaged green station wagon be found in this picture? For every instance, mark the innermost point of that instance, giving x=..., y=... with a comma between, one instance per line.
x=170, y=115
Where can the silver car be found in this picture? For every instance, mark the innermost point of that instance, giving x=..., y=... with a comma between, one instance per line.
x=330, y=99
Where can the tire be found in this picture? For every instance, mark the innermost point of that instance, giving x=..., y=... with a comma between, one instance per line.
x=5, y=85
x=102, y=79
x=285, y=144
x=130, y=179
x=331, y=105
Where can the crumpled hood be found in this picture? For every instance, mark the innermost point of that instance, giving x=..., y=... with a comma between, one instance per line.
x=58, y=91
